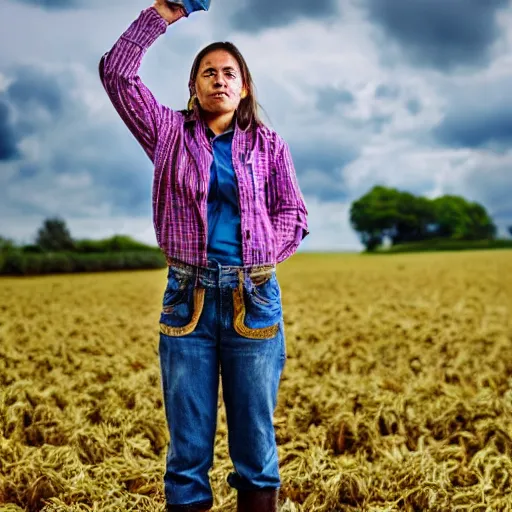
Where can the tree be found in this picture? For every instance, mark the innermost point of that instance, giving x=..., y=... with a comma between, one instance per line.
x=387, y=212
x=480, y=225
x=54, y=236
x=415, y=215
x=403, y=217
x=510, y=230
x=374, y=215
x=458, y=219
x=6, y=244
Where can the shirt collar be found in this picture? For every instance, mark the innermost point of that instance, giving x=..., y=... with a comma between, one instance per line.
x=211, y=135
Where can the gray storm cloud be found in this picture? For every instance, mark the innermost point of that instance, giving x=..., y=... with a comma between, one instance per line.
x=8, y=140
x=257, y=15
x=329, y=97
x=40, y=105
x=480, y=116
x=30, y=102
x=53, y=4
x=439, y=33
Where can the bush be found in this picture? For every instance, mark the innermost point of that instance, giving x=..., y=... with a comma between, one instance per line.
x=447, y=245
x=117, y=243
x=17, y=262
x=32, y=248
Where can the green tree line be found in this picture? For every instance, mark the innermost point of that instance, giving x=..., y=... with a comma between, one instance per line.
x=55, y=251
x=405, y=219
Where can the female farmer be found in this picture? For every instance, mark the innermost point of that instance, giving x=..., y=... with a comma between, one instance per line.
x=226, y=209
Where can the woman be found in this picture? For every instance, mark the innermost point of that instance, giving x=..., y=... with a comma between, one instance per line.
x=226, y=208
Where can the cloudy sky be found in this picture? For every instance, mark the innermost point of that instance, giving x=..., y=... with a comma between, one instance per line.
x=408, y=94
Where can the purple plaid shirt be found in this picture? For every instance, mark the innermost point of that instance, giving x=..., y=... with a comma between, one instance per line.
x=272, y=208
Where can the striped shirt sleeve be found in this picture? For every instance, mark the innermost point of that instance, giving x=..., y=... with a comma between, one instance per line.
x=118, y=69
x=288, y=211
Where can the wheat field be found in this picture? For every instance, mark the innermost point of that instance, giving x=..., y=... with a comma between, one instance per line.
x=396, y=395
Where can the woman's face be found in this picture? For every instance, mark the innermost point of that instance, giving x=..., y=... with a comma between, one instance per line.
x=219, y=83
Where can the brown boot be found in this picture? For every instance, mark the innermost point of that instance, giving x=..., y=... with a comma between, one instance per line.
x=203, y=506
x=258, y=500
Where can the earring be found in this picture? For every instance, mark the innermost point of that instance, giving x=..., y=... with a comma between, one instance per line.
x=191, y=102
x=243, y=94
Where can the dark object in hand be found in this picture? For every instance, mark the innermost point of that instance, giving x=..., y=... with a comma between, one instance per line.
x=192, y=5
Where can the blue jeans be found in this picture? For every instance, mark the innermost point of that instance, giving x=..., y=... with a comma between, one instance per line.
x=223, y=320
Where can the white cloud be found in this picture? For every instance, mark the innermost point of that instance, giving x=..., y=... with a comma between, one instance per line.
x=329, y=227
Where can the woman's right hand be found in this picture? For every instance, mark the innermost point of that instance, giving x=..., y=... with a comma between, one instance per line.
x=170, y=12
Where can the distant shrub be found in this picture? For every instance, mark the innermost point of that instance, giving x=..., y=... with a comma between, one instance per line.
x=17, y=262
x=32, y=248
x=117, y=243
x=447, y=245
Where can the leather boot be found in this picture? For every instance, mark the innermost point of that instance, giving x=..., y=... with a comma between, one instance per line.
x=258, y=500
x=203, y=506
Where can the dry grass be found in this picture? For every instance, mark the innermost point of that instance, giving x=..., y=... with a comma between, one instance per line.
x=397, y=394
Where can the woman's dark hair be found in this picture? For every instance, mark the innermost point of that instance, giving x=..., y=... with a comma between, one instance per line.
x=247, y=114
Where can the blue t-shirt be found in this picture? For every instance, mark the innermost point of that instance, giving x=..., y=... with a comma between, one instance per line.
x=224, y=232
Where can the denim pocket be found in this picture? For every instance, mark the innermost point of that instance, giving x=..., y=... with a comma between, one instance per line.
x=176, y=289
x=257, y=308
x=182, y=304
x=264, y=298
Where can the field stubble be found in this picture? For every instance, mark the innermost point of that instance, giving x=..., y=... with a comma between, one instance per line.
x=396, y=395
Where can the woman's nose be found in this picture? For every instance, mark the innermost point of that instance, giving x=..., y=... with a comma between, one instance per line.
x=220, y=81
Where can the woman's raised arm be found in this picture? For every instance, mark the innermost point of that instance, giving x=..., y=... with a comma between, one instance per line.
x=118, y=69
